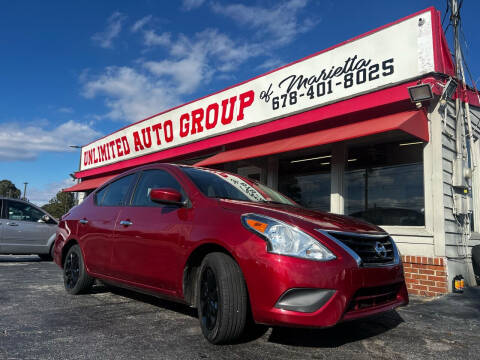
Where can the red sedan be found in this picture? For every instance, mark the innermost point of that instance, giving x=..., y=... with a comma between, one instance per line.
x=234, y=249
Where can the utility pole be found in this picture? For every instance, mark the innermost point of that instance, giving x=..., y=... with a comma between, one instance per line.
x=77, y=200
x=25, y=190
x=464, y=152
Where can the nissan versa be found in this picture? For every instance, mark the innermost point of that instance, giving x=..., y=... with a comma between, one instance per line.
x=231, y=247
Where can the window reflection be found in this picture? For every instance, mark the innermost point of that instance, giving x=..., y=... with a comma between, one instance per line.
x=384, y=184
x=306, y=180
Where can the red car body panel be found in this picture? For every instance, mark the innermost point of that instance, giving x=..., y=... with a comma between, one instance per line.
x=152, y=253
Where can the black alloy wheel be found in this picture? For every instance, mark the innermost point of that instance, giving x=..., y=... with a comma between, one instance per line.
x=222, y=299
x=72, y=270
x=75, y=277
x=209, y=298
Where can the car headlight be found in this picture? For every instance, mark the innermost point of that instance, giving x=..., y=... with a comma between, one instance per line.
x=286, y=239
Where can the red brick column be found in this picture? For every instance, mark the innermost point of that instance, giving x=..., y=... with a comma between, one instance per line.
x=425, y=276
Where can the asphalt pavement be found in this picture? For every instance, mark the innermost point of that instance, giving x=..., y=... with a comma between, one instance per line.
x=39, y=320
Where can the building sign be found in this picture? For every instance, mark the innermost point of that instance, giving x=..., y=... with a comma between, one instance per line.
x=389, y=56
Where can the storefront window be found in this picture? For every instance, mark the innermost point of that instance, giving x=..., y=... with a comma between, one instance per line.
x=384, y=184
x=306, y=180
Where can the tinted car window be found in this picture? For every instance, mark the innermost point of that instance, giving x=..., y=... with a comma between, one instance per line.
x=23, y=212
x=115, y=193
x=154, y=179
x=219, y=184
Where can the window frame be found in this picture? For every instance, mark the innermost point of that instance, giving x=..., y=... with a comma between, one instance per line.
x=6, y=205
x=127, y=195
x=133, y=190
x=337, y=195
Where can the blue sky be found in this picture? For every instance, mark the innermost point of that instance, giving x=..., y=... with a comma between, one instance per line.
x=74, y=71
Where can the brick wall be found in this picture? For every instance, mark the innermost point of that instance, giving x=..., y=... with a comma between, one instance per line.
x=425, y=276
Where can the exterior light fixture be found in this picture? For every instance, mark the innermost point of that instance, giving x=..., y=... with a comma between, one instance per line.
x=449, y=88
x=419, y=93
x=310, y=159
x=411, y=143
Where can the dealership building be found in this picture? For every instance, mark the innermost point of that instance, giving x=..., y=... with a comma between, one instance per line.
x=375, y=127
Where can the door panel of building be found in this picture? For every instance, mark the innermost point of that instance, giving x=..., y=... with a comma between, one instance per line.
x=254, y=173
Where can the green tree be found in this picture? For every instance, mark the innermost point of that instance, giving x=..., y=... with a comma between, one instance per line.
x=60, y=204
x=8, y=189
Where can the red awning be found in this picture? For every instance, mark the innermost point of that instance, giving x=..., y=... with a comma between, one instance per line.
x=89, y=184
x=411, y=122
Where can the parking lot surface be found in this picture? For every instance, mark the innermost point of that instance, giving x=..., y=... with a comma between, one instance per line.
x=39, y=320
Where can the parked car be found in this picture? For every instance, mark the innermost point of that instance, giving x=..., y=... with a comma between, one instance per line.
x=26, y=229
x=231, y=247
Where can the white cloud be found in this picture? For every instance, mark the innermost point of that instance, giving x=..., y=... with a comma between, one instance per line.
x=135, y=93
x=151, y=85
x=192, y=4
x=187, y=73
x=129, y=94
x=65, y=110
x=270, y=64
x=42, y=195
x=280, y=22
x=18, y=142
x=139, y=24
x=114, y=26
x=151, y=38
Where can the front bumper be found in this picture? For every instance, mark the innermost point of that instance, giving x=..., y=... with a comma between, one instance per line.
x=346, y=291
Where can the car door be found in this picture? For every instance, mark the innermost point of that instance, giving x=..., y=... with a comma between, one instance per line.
x=24, y=230
x=148, y=234
x=97, y=224
x=2, y=225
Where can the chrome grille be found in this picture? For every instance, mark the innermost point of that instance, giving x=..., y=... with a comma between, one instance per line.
x=372, y=249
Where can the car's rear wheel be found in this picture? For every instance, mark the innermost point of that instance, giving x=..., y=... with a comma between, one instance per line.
x=222, y=300
x=75, y=277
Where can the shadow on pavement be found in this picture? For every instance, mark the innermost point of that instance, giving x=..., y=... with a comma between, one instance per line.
x=19, y=258
x=338, y=335
x=149, y=299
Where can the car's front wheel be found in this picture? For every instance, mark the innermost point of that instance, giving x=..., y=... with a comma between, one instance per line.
x=75, y=277
x=49, y=256
x=222, y=300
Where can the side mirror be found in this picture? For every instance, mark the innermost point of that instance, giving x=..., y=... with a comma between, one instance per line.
x=166, y=196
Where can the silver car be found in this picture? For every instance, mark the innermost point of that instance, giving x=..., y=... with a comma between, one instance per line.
x=26, y=229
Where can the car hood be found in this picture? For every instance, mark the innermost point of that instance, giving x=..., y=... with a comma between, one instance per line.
x=300, y=216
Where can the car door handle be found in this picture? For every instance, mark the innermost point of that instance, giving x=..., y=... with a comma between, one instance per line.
x=12, y=224
x=83, y=221
x=126, y=223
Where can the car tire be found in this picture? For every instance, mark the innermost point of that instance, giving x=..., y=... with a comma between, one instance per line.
x=45, y=257
x=476, y=262
x=49, y=256
x=222, y=299
x=75, y=277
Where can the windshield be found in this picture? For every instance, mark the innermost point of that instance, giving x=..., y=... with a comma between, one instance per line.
x=223, y=185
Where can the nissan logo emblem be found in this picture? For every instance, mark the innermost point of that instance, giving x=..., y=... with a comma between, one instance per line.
x=380, y=249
